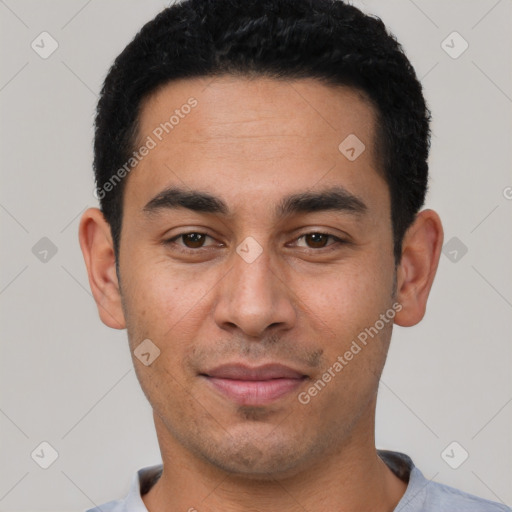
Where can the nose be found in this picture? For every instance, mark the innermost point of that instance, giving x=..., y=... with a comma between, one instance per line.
x=253, y=298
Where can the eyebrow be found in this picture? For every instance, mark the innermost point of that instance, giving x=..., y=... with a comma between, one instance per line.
x=331, y=199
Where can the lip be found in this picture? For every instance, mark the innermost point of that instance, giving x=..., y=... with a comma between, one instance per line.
x=260, y=385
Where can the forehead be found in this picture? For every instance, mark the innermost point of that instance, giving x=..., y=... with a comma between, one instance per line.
x=254, y=139
x=253, y=104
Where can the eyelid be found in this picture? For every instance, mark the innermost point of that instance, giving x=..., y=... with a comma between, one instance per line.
x=336, y=239
x=179, y=236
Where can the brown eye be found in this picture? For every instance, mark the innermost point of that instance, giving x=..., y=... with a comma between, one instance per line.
x=193, y=240
x=317, y=240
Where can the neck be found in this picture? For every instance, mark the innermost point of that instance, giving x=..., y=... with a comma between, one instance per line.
x=350, y=478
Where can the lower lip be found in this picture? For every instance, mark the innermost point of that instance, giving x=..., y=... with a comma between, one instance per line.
x=255, y=392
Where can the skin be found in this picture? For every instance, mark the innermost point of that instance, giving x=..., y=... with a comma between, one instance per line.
x=251, y=143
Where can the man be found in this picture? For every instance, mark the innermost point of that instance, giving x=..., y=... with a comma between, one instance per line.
x=261, y=166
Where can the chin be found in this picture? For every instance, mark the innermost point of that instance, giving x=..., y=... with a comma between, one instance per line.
x=257, y=460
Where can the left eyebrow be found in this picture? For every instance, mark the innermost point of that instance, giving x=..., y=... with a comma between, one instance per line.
x=334, y=199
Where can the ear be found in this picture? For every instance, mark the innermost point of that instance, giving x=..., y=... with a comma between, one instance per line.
x=98, y=250
x=421, y=249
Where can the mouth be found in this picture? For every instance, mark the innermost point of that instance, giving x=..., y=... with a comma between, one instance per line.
x=254, y=386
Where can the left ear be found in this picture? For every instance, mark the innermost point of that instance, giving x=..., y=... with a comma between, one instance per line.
x=421, y=249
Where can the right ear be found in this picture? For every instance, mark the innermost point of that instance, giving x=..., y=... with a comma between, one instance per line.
x=98, y=250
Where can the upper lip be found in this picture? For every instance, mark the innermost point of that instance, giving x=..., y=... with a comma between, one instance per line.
x=263, y=372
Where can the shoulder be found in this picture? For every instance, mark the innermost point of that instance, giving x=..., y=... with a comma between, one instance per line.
x=440, y=495
x=142, y=481
x=424, y=495
x=440, y=498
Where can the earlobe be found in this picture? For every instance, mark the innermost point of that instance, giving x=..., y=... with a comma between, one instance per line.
x=98, y=251
x=421, y=250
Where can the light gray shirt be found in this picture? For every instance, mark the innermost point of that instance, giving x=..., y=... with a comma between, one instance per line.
x=422, y=495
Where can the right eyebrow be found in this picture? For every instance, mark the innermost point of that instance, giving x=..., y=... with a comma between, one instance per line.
x=172, y=198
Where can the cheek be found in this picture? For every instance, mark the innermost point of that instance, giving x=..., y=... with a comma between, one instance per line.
x=345, y=306
x=160, y=298
x=169, y=306
x=355, y=345
x=350, y=297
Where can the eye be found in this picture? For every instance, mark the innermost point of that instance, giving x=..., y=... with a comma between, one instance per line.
x=193, y=240
x=318, y=240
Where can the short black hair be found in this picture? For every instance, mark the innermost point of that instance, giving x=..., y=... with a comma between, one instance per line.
x=327, y=40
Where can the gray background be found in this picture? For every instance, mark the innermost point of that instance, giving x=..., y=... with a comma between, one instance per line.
x=68, y=380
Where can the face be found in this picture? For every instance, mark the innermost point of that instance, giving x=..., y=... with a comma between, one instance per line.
x=250, y=239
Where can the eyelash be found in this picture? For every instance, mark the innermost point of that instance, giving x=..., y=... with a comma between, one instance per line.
x=188, y=250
